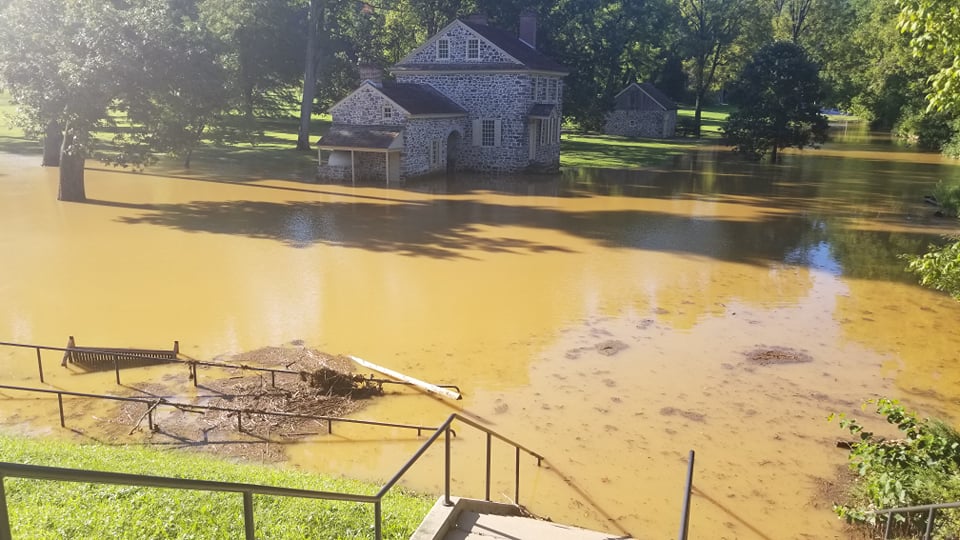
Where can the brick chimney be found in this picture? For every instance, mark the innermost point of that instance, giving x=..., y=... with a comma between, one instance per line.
x=477, y=18
x=370, y=72
x=528, y=27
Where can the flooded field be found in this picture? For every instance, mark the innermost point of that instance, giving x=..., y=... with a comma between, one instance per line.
x=611, y=320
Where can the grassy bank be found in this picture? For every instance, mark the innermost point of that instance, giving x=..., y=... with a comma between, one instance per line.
x=608, y=152
x=54, y=510
x=274, y=154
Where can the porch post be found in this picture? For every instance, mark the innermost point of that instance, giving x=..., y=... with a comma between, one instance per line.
x=387, y=156
x=353, y=168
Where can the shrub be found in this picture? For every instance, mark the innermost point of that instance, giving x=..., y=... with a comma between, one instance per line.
x=939, y=268
x=930, y=130
x=948, y=197
x=921, y=468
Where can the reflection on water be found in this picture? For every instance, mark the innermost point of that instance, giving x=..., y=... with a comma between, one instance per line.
x=506, y=286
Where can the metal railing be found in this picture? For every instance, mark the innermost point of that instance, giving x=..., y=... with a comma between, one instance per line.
x=929, y=524
x=192, y=407
x=14, y=470
x=190, y=363
x=688, y=488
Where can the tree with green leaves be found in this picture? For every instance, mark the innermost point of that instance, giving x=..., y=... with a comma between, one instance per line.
x=934, y=30
x=606, y=45
x=709, y=28
x=67, y=63
x=778, y=100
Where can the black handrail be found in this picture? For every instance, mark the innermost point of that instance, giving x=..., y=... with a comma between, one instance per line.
x=930, y=509
x=248, y=490
x=39, y=472
x=155, y=402
x=191, y=364
x=685, y=514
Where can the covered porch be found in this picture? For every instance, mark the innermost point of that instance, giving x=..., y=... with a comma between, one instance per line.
x=370, y=153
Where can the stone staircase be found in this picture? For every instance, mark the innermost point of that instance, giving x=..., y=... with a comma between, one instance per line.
x=472, y=519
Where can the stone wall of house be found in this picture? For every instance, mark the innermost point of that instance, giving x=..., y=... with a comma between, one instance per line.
x=333, y=173
x=365, y=108
x=418, y=138
x=458, y=35
x=635, y=123
x=503, y=97
x=370, y=167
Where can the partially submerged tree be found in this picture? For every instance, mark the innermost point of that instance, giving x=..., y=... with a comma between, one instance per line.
x=64, y=63
x=778, y=100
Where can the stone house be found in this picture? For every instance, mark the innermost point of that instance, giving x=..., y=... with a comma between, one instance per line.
x=641, y=110
x=472, y=98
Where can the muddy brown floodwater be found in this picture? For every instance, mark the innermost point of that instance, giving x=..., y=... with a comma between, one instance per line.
x=609, y=319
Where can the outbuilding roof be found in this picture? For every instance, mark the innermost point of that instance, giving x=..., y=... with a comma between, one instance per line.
x=349, y=136
x=654, y=93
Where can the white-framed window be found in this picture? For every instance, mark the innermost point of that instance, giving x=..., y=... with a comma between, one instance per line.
x=541, y=89
x=549, y=130
x=473, y=49
x=559, y=91
x=486, y=132
x=443, y=49
x=552, y=90
x=387, y=111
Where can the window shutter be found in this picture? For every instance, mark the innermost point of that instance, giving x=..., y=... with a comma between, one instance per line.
x=476, y=132
x=496, y=132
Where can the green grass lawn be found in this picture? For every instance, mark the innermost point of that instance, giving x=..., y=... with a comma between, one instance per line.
x=55, y=510
x=607, y=152
x=273, y=154
x=603, y=151
x=711, y=118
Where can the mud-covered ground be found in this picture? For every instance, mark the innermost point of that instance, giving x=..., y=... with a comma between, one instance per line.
x=206, y=417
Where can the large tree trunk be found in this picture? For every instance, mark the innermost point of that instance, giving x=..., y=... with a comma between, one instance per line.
x=71, y=170
x=697, y=114
x=309, y=74
x=52, y=144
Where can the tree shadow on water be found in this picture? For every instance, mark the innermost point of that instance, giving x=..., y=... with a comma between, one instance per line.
x=452, y=229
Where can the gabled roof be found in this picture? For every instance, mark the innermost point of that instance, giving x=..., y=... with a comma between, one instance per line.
x=347, y=136
x=413, y=99
x=526, y=57
x=417, y=99
x=510, y=44
x=654, y=93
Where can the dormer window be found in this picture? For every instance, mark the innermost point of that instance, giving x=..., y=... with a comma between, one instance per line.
x=443, y=49
x=387, y=112
x=473, y=49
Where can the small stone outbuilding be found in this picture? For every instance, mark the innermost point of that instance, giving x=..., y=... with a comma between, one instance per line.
x=641, y=110
x=471, y=98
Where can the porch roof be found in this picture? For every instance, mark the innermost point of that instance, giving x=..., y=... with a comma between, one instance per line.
x=369, y=138
x=541, y=110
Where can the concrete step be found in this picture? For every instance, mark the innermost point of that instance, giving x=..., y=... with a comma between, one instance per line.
x=477, y=526
x=472, y=519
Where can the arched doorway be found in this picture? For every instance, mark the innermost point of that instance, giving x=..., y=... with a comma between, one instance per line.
x=453, y=151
